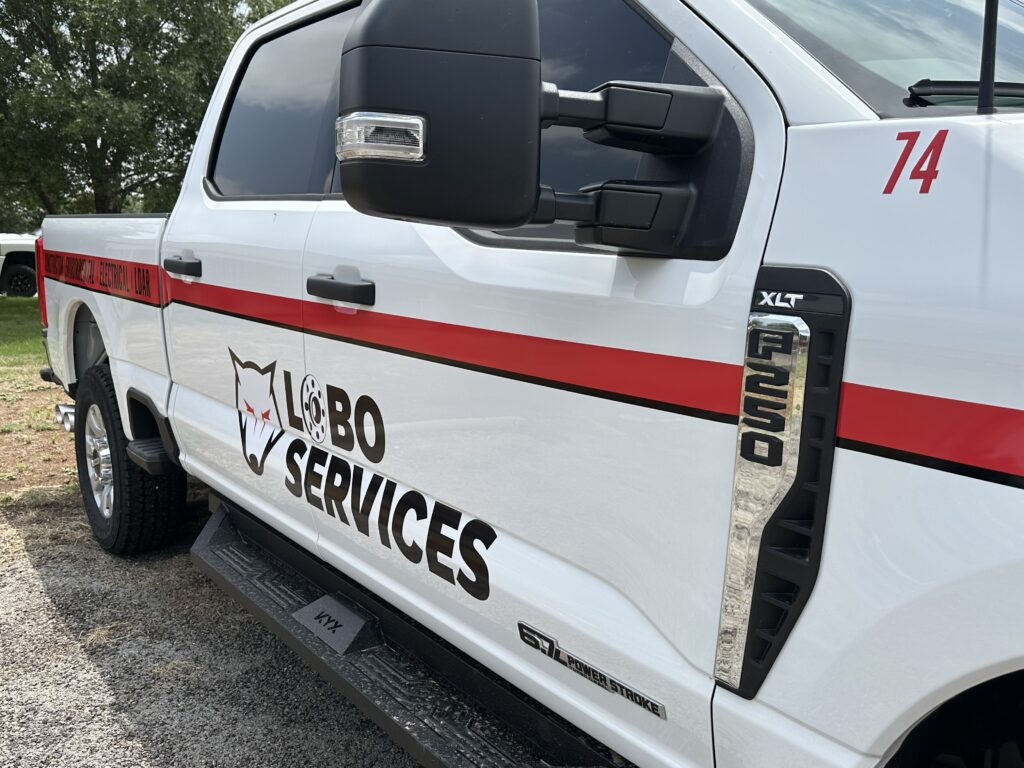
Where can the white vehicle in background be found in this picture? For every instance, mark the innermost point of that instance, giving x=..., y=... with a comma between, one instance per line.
x=628, y=382
x=17, y=265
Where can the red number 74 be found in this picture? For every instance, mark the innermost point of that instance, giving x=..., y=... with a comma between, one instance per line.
x=927, y=168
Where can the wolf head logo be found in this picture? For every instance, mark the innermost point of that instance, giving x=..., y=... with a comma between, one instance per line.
x=259, y=422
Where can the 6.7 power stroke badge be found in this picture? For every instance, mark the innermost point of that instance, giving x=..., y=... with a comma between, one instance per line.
x=550, y=648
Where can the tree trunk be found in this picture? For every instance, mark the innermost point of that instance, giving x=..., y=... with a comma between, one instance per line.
x=106, y=182
x=104, y=199
x=45, y=199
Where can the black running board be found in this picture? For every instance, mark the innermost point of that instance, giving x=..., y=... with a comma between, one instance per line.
x=433, y=700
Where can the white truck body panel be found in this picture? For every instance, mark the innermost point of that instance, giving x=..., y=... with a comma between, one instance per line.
x=925, y=322
x=523, y=427
x=754, y=733
x=905, y=547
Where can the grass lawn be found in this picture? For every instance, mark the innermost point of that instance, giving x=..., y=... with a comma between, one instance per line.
x=34, y=451
x=20, y=341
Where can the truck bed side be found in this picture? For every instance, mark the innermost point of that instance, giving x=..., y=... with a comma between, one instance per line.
x=104, y=298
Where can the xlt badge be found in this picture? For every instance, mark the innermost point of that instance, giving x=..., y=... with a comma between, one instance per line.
x=779, y=300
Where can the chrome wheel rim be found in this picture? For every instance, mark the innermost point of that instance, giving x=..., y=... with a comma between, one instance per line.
x=98, y=461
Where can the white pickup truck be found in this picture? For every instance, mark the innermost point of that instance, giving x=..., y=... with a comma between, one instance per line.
x=592, y=382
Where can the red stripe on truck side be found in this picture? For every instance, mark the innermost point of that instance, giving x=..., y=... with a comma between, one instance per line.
x=263, y=307
x=900, y=424
x=700, y=385
x=955, y=431
x=124, y=279
x=950, y=431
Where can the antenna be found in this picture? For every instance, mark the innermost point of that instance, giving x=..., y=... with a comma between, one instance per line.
x=987, y=80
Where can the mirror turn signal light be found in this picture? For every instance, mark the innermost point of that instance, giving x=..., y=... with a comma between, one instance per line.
x=380, y=136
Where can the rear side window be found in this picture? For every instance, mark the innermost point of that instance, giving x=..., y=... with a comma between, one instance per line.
x=278, y=136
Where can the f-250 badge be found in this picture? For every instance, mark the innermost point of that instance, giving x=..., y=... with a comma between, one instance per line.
x=448, y=542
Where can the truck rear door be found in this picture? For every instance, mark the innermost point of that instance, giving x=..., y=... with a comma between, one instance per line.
x=232, y=254
x=529, y=446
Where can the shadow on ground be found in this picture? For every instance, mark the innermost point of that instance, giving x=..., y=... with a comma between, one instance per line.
x=144, y=662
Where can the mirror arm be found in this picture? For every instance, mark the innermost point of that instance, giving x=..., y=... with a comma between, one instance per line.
x=659, y=118
x=641, y=217
x=577, y=207
x=572, y=109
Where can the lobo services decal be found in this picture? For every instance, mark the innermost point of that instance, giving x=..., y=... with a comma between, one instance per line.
x=425, y=531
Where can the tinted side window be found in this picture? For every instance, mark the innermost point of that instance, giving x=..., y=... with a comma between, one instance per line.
x=278, y=138
x=585, y=43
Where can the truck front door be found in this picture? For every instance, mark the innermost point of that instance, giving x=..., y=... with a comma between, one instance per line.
x=529, y=446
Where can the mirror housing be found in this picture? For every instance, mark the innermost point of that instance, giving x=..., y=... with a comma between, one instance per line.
x=441, y=107
x=440, y=112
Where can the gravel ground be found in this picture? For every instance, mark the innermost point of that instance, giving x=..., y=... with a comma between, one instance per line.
x=144, y=662
x=138, y=662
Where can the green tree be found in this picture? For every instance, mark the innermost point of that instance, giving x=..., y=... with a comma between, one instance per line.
x=100, y=100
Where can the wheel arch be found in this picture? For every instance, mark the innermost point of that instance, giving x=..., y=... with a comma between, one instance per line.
x=983, y=714
x=25, y=258
x=81, y=343
x=145, y=420
x=87, y=340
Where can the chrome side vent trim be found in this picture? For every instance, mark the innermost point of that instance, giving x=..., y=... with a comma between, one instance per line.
x=768, y=450
x=796, y=344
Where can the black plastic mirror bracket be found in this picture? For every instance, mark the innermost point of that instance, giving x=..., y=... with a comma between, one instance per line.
x=645, y=218
x=646, y=117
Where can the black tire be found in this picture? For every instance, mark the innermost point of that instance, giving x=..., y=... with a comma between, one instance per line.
x=146, y=509
x=19, y=280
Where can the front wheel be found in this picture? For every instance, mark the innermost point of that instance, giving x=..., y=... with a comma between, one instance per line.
x=129, y=510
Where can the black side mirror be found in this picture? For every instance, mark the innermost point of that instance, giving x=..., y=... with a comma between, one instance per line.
x=441, y=108
x=440, y=111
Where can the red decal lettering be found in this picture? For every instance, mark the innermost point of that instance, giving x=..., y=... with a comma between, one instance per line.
x=910, y=137
x=926, y=170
